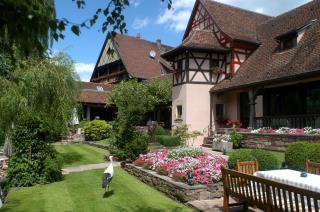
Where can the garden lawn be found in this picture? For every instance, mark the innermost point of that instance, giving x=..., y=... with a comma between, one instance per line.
x=80, y=154
x=83, y=192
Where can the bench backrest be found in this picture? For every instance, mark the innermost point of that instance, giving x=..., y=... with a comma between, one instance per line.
x=312, y=167
x=268, y=195
x=247, y=167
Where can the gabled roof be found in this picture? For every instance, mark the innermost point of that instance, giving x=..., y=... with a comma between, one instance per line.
x=237, y=23
x=198, y=40
x=267, y=65
x=94, y=93
x=135, y=55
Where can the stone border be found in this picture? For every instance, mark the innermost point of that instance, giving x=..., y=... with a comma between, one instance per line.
x=176, y=190
x=276, y=142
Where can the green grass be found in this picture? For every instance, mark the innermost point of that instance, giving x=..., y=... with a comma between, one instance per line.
x=80, y=154
x=103, y=142
x=83, y=192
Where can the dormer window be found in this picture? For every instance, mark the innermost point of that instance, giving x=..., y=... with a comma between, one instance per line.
x=288, y=40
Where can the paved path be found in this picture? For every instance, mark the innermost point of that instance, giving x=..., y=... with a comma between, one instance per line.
x=216, y=205
x=87, y=167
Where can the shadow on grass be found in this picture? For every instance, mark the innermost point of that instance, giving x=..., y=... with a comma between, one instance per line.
x=108, y=194
x=70, y=158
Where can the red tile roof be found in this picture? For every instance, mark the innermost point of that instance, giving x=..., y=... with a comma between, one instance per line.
x=135, y=55
x=267, y=64
x=198, y=39
x=235, y=22
x=94, y=93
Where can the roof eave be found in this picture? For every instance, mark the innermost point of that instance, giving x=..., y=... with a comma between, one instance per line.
x=170, y=54
x=267, y=82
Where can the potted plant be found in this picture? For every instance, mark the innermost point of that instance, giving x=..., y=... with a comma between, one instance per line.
x=222, y=142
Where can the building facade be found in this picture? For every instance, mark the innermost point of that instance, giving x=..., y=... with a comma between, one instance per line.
x=234, y=64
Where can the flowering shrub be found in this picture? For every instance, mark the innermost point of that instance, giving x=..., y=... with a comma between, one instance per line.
x=221, y=138
x=185, y=152
x=204, y=167
x=283, y=130
x=232, y=123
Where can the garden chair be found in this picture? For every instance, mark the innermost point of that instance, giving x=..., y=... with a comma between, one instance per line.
x=312, y=167
x=247, y=167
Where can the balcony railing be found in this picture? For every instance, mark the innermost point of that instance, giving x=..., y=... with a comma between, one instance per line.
x=294, y=121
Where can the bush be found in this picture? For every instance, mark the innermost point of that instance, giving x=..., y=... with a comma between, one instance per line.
x=97, y=130
x=267, y=161
x=185, y=152
x=236, y=139
x=298, y=152
x=33, y=160
x=242, y=155
x=138, y=145
x=158, y=130
x=167, y=140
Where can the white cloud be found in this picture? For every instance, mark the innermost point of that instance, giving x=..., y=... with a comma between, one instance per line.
x=177, y=18
x=140, y=23
x=84, y=70
x=134, y=3
x=259, y=10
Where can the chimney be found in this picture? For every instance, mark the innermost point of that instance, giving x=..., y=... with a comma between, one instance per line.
x=158, y=41
x=138, y=35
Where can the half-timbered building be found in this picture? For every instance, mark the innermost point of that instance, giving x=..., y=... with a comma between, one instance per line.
x=240, y=65
x=124, y=57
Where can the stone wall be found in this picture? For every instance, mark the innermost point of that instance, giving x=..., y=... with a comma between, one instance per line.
x=176, y=190
x=277, y=142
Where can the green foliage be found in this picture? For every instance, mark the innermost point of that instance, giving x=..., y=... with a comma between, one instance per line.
x=131, y=110
x=242, y=155
x=167, y=140
x=184, y=135
x=43, y=88
x=236, y=139
x=298, y=152
x=185, y=152
x=160, y=90
x=131, y=150
x=158, y=130
x=34, y=160
x=97, y=130
x=267, y=160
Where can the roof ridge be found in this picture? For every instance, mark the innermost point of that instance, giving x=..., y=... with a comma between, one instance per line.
x=239, y=8
x=141, y=39
x=288, y=12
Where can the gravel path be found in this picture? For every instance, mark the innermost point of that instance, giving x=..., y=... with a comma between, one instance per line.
x=87, y=167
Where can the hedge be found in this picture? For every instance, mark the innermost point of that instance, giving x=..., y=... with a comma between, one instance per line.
x=97, y=130
x=167, y=140
x=298, y=152
x=267, y=161
x=158, y=130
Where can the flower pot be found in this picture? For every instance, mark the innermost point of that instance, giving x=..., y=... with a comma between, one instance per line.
x=220, y=146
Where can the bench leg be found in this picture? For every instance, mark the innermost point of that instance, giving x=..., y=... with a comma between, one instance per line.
x=226, y=203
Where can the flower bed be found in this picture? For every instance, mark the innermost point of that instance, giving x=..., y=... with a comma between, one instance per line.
x=283, y=130
x=177, y=163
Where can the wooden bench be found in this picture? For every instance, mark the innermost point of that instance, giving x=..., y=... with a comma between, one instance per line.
x=247, y=167
x=265, y=194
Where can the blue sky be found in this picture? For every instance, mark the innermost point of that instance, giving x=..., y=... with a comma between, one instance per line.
x=149, y=17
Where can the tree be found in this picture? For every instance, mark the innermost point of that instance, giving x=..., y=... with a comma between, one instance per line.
x=44, y=88
x=133, y=100
x=29, y=26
